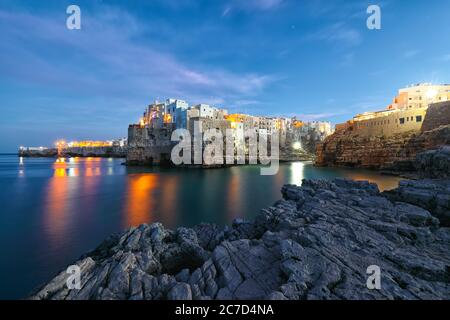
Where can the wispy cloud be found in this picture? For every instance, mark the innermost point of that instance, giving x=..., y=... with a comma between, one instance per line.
x=226, y=11
x=318, y=116
x=338, y=33
x=410, y=53
x=255, y=4
x=250, y=5
x=348, y=59
x=111, y=62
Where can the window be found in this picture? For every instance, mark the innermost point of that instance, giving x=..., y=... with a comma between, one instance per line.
x=418, y=118
x=402, y=120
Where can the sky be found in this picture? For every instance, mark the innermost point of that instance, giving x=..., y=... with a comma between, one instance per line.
x=314, y=59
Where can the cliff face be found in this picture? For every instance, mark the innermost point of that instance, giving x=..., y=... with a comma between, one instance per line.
x=148, y=146
x=315, y=243
x=438, y=114
x=347, y=148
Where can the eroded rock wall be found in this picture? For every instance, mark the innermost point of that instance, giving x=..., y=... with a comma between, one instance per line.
x=438, y=114
x=345, y=148
x=149, y=146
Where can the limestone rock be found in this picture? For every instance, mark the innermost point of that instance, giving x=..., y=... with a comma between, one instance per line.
x=395, y=153
x=180, y=291
x=315, y=243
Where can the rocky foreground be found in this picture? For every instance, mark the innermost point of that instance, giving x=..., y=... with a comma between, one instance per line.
x=315, y=243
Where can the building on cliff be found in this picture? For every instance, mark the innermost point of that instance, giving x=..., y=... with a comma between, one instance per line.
x=86, y=148
x=150, y=141
x=406, y=113
x=396, y=151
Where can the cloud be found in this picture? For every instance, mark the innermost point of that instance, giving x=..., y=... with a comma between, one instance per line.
x=338, y=33
x=226, y=11
x=347, y=60
x=317, y=116
x=263, y=4
x=410, y=53
x=251, y=5
x=105, y=59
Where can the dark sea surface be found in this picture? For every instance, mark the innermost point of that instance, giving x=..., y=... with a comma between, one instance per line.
x=52, y=211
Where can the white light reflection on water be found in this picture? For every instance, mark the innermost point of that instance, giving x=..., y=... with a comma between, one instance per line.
x=297, y=173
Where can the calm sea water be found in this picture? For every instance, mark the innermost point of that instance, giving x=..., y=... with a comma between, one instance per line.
x=54, y=211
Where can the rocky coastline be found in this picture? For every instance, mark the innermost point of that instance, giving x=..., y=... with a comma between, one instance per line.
x=315, y=243
x=346, y=149
x=434, y=164
x=84, y=152
x=398, y=152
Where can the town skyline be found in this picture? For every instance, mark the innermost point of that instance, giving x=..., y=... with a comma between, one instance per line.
x=320, y=63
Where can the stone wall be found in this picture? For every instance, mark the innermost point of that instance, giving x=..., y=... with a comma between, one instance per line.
x=148, y=146
x=113, y=152
x=438, y=114
x=348, y=148
x=37, y=153
x=392, y=123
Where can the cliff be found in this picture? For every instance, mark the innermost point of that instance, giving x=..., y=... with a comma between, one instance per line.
x=348, y=148
x=345, y=148
x=438, y=114
x=149, y=146
x=315, y=243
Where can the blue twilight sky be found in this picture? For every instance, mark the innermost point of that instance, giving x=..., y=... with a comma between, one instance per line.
x=315, y=59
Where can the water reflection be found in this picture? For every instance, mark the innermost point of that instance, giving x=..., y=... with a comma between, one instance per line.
x=297, y=173
x=169, y=199
x=139, y=202
x=55, y=208
x=234, y=201
x=60, y=167
x=383, y=182
x=62, y=208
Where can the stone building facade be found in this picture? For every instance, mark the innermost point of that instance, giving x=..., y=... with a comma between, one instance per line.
x=406, y=113
x=350, y=148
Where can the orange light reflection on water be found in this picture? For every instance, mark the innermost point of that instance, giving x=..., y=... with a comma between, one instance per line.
x=55, y=208
x=234, y=196
x=384, y=182
x=169, y=199
x=138, y=203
